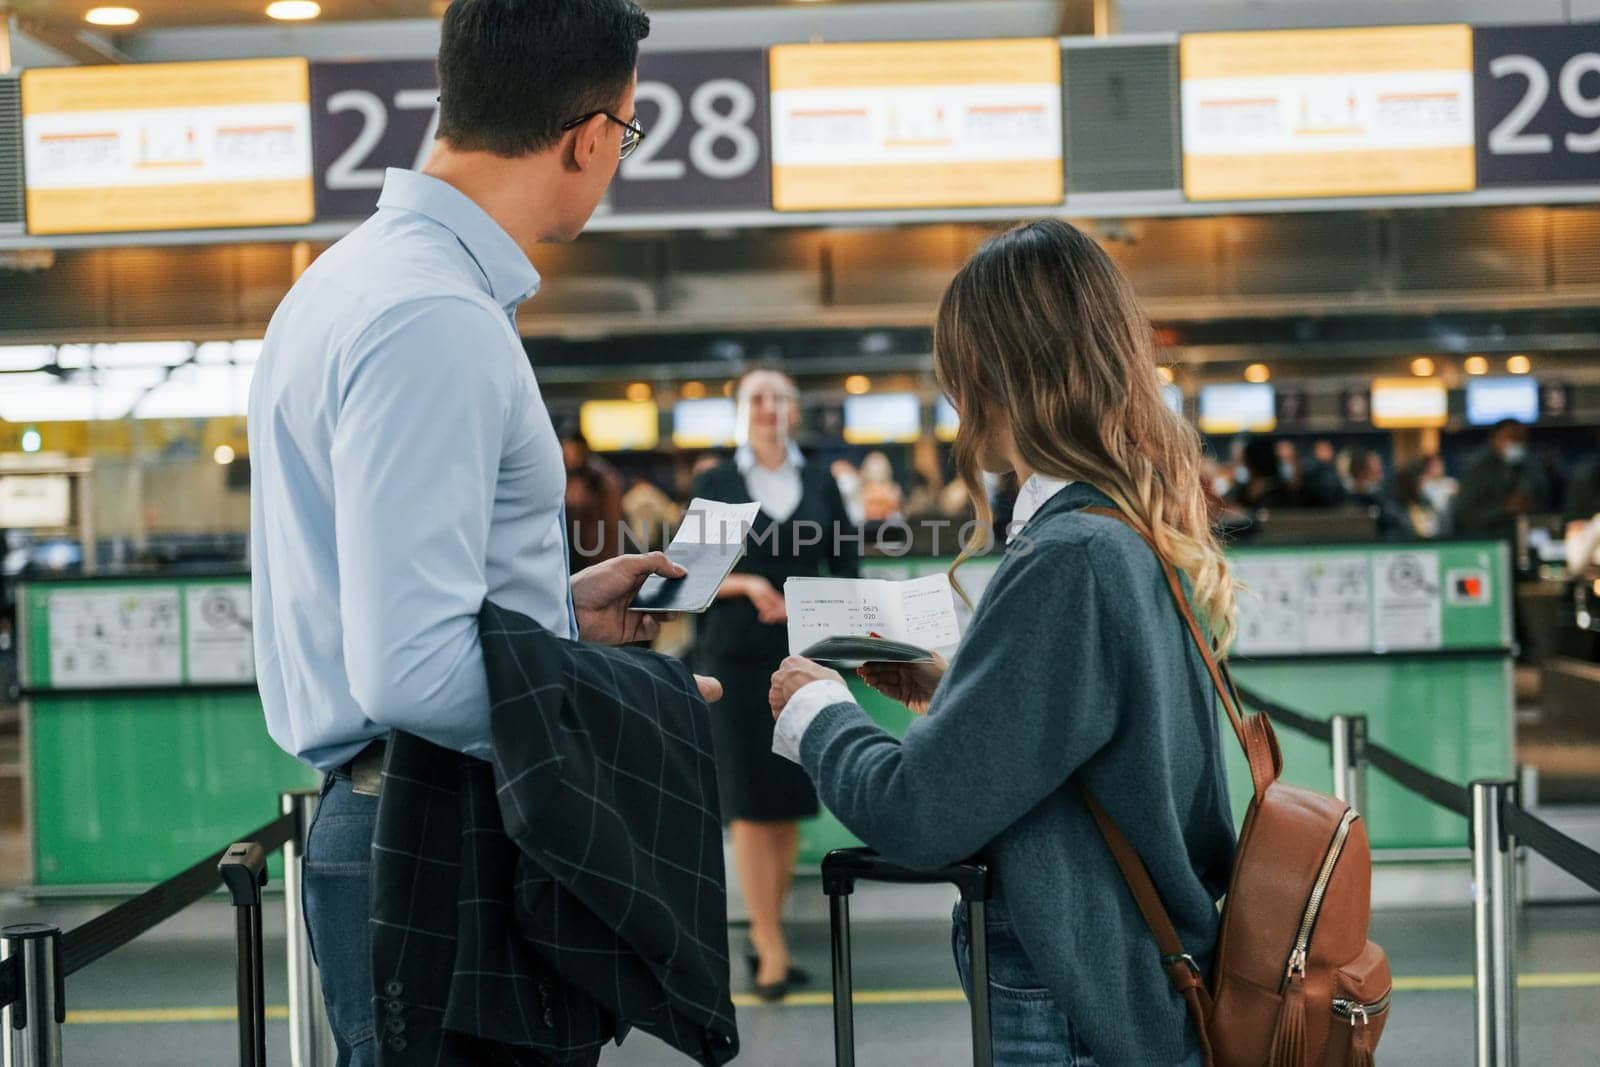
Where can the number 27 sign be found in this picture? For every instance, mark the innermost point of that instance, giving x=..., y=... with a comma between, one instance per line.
x=705, y=116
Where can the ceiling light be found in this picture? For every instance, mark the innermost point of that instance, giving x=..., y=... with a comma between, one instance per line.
x=857, y=384
x=1519, y=364
x=693, y=390
x=638, y=391
x=1165, y=374
x=728, y=387
x=1422, y=367
x=111, y=16
x=1476, y=365
x=293, y=10
x=223, y=455
x=1257, y=373
x=32, y=441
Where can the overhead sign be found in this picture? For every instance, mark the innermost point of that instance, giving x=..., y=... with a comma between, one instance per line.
x=35, y=501
x=166, y=146
x=704, y=116
x=1237, y=407
x=1312, y=113
x=1538, y=92
x=916, y=124
x=1409, y=403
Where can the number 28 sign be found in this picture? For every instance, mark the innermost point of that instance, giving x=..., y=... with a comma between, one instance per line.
x=1538, y=104
x=705, y=116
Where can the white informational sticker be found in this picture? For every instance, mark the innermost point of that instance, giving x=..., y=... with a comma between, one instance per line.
x=221, y=642
x=1407, y=601
x=1336, y=606
x=1269, y=606
x=115, y=638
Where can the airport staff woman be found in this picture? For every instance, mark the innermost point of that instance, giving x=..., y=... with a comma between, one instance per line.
x=1077, y=670
x=744, y=638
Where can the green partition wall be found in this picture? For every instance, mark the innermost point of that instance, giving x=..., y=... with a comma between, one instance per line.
x=146, y=744
x=1415, y=637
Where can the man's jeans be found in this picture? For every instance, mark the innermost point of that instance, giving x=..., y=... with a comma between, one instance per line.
x=337, y=868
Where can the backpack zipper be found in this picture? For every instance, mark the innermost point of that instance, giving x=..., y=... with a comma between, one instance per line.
x=1357, y=1012
x=1308, y=921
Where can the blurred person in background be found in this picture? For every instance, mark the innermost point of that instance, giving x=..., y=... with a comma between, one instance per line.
x=1289, y=465
x=743, y=639
x=1264, y=486
x=848, y=478
x=1320, y=483
x=1499, y=485
x=1369, y=490
x=881, y=497
x=1582, y=499
x=1440, y=490
x=1422, y=518
x=1077, y=674
x=594, y=504
x=650, y=514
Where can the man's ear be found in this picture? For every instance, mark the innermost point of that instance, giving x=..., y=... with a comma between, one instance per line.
x=586, y=142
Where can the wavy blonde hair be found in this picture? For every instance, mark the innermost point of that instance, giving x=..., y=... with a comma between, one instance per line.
x=1042, y=330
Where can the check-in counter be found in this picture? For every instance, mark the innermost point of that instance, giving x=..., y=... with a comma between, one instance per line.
x=1415, y=637
x=144, y=741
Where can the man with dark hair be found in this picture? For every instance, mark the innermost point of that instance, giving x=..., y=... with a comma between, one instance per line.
x=405, y=468
x=1499, y=484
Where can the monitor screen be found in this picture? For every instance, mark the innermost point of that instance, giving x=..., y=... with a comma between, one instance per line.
x=1491, y=399
x=620, y=425
x=1409, y=403
x=909, y=124
x=1173, y=395
x=945, y=420
x=882, y=418
x=707, y=423
x=1237, y=407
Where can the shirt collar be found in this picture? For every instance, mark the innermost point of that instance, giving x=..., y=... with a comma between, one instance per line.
x=1035, y=493
x=745, y=458
x=511, y=278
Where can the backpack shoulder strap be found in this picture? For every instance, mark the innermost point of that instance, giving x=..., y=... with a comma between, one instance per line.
x=1254, y=732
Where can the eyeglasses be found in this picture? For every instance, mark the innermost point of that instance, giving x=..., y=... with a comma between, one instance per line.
x=632, y=132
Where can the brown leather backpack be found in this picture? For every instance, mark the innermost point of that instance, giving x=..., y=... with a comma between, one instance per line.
x=1295, y=982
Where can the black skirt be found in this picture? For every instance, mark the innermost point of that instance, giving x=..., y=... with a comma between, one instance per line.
x=752, y=783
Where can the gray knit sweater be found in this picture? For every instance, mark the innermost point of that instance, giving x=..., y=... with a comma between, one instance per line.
x=1077, y=670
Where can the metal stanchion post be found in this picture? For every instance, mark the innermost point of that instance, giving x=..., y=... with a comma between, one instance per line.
x=33, y=1023
x=1492, y=920
x=844, y=1028
x=244, y=871
x=1349, y=750
x=310, y=1036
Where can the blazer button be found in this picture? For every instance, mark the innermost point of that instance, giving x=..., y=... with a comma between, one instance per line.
x=397, y=1043
x=393, y=1007
x=393, y=988
x=395, y=1024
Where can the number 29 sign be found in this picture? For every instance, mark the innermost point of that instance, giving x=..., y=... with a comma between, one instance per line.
x=1538, y=104
x=705, y=116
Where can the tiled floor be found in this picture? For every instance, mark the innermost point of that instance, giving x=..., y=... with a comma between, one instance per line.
x=183, y=970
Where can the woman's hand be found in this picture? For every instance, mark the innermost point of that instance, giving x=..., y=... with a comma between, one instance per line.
x=794, y=674
x=770, y=607
x=912, y=684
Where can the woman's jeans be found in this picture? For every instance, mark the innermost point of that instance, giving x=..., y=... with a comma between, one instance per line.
x=337, y=864
x=1029, y=1030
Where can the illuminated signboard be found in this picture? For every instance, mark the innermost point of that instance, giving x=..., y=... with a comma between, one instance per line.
x=1490, y=400
x=880, y=418
x=1172, y=395
x=1307, y=113
x=946, y=421
x=1237, y=408
x=1409, y=403
x=167, y=146
x=916, y=124
x=708, y=423
x=620, y=425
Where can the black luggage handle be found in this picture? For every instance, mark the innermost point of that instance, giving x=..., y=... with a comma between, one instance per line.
x=244, y=871
x=844, y=867
x=841, y=870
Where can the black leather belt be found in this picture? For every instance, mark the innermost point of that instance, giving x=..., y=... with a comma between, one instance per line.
x=365, y=769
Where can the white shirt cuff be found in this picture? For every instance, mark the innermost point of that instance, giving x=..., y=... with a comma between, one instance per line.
x=802, y=709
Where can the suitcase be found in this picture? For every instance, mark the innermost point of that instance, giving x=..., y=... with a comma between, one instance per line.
x=244, y=871
x=841, y=870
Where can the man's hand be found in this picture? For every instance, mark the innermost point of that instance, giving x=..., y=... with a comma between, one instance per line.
x=912, y=684
x=770, y=606
x=794, y=674
x=602, y=593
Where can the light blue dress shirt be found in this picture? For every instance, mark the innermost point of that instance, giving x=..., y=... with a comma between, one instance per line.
x=404, y=468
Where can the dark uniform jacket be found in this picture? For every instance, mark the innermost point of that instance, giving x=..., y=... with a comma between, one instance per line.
x=530, y=911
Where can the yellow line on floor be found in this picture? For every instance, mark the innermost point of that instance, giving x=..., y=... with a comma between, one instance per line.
x=1405, y=983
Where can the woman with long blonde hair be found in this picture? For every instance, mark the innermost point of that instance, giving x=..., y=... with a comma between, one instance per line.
x=1077, y=674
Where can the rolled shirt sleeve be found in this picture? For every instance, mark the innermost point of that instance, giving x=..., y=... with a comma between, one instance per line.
x=423, y=412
